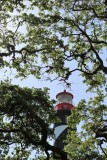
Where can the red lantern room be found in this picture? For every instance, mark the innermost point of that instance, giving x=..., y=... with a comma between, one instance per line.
x=64, y=101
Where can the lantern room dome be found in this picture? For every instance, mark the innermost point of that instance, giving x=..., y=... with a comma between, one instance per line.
x=64, y=93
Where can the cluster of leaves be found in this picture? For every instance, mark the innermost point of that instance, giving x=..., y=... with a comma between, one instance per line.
x=73, y=31
x=25, y=121
x=63, y=31
x=90, y=138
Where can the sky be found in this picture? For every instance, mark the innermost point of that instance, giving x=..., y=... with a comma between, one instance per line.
x=78, y=89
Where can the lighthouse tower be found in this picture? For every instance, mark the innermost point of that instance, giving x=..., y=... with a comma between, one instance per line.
x=63, y=109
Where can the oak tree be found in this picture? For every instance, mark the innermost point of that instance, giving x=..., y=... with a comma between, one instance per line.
x=62, y=37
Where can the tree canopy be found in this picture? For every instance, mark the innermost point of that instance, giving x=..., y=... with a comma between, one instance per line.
x=73, y=31
x=26, y=116
x=60, y=37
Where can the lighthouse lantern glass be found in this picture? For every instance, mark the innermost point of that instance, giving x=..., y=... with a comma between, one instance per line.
x=65, y=98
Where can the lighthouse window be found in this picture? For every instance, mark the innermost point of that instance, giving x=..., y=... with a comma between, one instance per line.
x=65, y=99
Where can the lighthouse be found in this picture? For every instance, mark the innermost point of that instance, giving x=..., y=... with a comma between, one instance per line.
x=63, y=110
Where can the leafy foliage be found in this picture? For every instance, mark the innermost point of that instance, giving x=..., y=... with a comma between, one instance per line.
x=44, y=37
x=90, y=141
x=25, y=119
x=73, y=31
